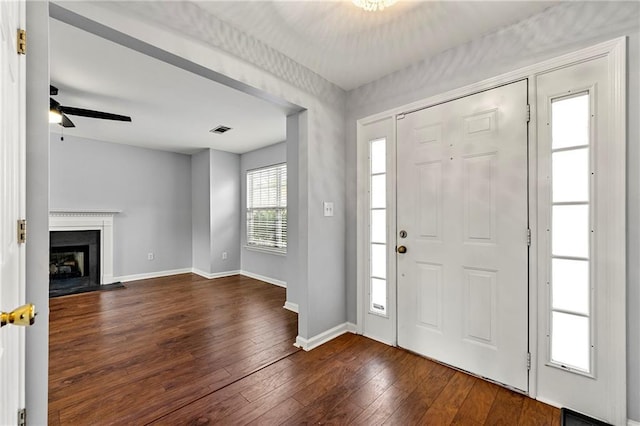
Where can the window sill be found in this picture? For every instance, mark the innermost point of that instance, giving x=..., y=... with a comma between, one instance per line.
x=275, y=251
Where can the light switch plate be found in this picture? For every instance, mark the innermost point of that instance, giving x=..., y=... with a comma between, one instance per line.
x=328, y=208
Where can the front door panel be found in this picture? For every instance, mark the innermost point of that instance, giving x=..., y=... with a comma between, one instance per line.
x=462, y=198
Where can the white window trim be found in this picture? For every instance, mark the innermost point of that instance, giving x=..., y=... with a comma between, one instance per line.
x=270, y=250
x=259, y=247
x=615, y=50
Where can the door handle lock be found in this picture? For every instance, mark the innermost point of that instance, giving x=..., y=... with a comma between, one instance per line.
x=24, y=316
x=401, y=249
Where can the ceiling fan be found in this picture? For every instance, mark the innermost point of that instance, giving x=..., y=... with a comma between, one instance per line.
x=63, y=111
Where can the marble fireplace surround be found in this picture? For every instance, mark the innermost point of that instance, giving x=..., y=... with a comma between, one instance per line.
x=87, y=220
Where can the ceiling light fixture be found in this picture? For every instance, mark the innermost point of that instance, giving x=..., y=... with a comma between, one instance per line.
x=55, y=116
x=373, y=5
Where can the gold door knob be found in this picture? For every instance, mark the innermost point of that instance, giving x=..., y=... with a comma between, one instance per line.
x=25, y=315
x=401, y=249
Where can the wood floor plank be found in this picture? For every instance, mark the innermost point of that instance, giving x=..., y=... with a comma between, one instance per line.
x=278, y=414
x=476, y=407
x=446, y=406
x=424, y=393
x=382, y=407
x=107, y=371
x=197, y=351
x=535, y=413
x=506, y=408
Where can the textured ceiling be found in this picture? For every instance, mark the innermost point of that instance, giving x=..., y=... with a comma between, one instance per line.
x=174, y=110
x=351, y=47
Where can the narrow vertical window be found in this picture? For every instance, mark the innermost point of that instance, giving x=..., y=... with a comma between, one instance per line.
x=378, y=227
x=571, y=242
x=267, y=208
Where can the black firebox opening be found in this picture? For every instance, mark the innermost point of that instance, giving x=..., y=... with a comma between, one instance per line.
x=74, y=260
x=69, y=262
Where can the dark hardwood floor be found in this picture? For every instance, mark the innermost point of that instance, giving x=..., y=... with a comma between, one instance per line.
x=186, y=350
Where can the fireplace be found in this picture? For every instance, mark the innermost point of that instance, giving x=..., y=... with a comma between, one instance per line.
x=76, y=221
x=68, y=262
x=74, y=259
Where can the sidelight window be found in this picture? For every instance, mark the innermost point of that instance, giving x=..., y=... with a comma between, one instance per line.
x=378, y=294
x=571, y=234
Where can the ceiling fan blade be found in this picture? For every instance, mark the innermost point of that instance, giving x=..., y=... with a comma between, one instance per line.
x=53, y=90
x=66, y=122
x=93, y=114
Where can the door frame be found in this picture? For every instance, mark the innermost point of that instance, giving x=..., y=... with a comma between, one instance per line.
x=615, y=51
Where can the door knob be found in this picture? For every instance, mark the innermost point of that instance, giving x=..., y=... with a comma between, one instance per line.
x=401, y=249
x=25, y=315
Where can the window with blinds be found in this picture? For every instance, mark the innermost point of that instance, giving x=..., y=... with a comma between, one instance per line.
x=267, y=207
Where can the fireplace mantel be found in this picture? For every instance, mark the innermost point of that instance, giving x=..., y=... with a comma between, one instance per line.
x=85, y=220
x=76, y=212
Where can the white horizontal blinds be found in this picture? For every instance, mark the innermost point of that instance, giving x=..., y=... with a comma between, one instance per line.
x=267, y=207
x=571, y=317
x=378, y=227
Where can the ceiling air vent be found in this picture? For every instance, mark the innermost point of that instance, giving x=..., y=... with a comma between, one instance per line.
x=220, y=129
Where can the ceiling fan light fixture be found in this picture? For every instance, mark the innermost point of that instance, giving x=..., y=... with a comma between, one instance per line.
x=55, y=117
x=374, y=5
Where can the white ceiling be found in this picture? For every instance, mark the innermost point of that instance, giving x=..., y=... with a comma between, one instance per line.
x=351, y=47
x=174, y=110
x=171, y=109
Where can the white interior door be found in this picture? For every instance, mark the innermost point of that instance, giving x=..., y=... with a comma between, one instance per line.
x=12, y=293
x=462, y=201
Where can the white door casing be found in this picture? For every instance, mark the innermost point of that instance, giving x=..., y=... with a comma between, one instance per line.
x=12, y=207
x=462, y=198
x=595, y=392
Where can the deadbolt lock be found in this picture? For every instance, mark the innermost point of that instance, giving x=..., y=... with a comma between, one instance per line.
x=403, y=234
x=25, y=315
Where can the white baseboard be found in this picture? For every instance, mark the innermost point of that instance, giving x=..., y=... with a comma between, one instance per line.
x=315, y=341
x=207, y=275
x=212, y=275
x=293, y=307
x=148, y=275
x=273, y=281
x=632, y=423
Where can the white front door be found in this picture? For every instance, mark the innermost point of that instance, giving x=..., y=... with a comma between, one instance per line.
x=462, y=201
x=12, y=115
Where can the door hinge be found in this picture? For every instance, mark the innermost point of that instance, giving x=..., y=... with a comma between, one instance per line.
x=22, y=417
x=22, y=41
x=528, y=360
x=399, y=116
x=528, y=113
x=529, y=237
x=22, y=231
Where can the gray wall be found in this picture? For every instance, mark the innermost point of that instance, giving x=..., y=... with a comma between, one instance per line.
x=257, y=262
x=200, y=211
x=152, y=188
x=37, y=206
x=184, y=35
x=561, y=29
x=293, y=215
x=215, y=177
x=225, y=210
